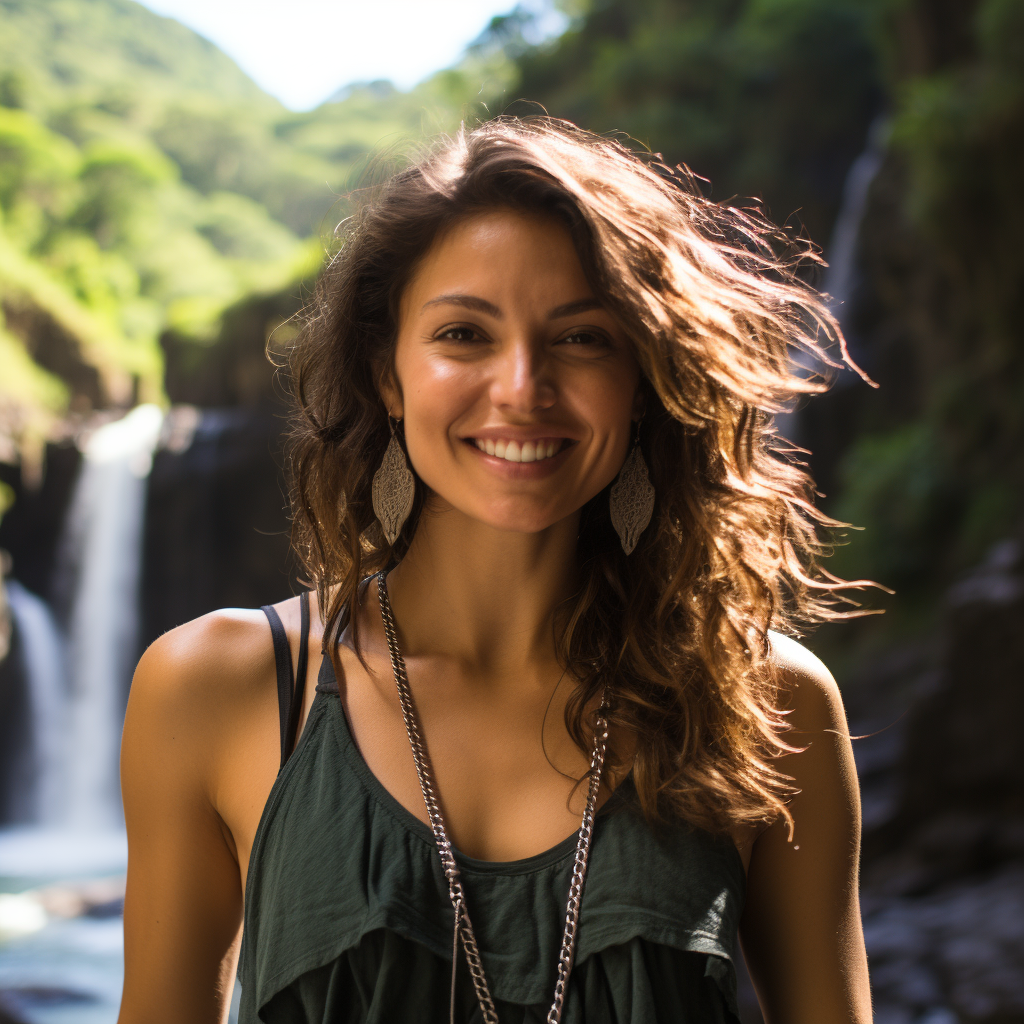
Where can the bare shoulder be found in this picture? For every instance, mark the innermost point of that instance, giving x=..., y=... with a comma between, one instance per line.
x=202, y=694
x=203, y=706
x=221, y=655
x=801, y=930
x=807, y=689
x=199, y=754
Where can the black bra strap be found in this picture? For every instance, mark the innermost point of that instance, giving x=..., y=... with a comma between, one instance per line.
x=289, y=695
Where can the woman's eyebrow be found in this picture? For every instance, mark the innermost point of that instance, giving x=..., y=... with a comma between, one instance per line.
x=479, y=305
x=468, y=302
x=572, y=308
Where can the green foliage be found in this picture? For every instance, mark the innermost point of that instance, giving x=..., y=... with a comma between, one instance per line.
x=146, y=184
x=149, y=190
x=767, y=98
x=37, y=172
x=947, y=479
x=897, y=485
x=29, y=287
x=111, y=53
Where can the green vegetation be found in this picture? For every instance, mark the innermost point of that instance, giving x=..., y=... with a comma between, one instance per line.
x=147, y=185
x=765, y=98
x=937, y=471
x=155, y=205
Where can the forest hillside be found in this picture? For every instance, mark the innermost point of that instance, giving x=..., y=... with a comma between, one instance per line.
x=146, y=185
x=150, y=193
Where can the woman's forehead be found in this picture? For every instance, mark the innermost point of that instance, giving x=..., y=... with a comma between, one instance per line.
x=496, y=253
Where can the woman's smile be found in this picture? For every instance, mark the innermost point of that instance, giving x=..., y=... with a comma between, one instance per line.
x=512, y=450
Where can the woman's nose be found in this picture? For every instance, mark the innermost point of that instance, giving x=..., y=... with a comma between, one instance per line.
x=522, y=381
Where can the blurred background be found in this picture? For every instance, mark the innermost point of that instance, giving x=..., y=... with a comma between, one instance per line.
x=162, y=216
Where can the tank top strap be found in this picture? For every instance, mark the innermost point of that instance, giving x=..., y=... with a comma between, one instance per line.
x=290, y=693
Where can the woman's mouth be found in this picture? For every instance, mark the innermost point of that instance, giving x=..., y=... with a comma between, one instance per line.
x=521, y=451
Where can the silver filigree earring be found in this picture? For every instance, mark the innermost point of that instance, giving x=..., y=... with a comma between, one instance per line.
x=393, y=490
x=631, y=501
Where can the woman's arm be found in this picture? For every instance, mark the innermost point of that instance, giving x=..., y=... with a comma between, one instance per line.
x=196, y=692
x=801, y=929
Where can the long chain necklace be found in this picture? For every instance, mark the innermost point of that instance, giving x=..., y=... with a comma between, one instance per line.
x=463, y=925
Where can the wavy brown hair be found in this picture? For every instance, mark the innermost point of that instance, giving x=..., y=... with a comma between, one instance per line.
x=711, y=300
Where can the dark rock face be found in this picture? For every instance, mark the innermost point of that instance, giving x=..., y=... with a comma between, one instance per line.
x=964, y=744
x=216, y=530
x=943, y=795
x=55, y=349
x=234, y=370
x=942, y=792
x=14, y=733
x=31, y=529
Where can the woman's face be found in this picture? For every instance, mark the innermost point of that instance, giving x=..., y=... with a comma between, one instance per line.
x=517, y=389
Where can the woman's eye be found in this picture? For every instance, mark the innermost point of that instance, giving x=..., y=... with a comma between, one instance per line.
x=461, y=334
x=585, y=338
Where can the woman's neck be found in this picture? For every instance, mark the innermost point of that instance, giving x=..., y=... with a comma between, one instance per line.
x=483, y=596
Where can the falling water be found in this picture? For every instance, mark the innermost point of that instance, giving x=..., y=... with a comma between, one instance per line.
x=841, y=276
x=38, y=791
x=53, y=969
x=103, y=544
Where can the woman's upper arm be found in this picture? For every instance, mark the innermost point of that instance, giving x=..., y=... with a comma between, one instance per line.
x=183, y=904
x=801, y=928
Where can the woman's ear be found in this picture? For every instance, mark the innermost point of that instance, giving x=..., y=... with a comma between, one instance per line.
x=639, y=403
x=391, y=394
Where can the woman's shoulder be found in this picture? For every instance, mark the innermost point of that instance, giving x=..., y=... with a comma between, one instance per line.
x=209, y=687
x=222, y=653
x=807, y=688
x=220, y=663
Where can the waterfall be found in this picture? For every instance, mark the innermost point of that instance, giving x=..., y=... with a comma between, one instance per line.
x=841, y=276
x=840, y=279
x=102, y=554
x=38, y=789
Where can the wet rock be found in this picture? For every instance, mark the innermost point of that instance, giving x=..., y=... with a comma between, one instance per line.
x=30, y=530
x=959, y=950
x=14, y=736
x=216, y=532
x=963, y=741
x=7, y=1015
x=943, y=856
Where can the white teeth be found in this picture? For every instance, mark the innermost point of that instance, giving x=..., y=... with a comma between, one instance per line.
x=513, y=451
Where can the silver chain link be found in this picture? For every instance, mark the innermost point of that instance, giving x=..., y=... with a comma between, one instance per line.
x=463, y=925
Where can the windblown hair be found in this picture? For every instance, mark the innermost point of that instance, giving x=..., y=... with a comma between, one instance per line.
x=713, y=305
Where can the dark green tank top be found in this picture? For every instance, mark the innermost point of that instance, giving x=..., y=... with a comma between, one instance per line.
x=347, y=917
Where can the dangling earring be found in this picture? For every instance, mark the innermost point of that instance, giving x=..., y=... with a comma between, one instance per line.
x=631, y=501
x=393, y=490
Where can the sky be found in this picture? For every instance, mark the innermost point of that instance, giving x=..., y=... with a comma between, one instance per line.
x=303, y=51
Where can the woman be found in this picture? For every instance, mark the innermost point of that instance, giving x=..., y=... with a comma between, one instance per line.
x=538, y=493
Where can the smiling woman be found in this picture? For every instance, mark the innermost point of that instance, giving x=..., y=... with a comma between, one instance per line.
x=555, y=736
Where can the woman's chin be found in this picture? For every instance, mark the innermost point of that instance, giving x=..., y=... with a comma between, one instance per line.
x=509, y=518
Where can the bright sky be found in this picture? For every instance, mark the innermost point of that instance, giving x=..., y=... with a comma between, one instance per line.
x=302, y=51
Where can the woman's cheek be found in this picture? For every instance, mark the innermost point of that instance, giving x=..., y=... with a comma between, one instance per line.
x=438, y=397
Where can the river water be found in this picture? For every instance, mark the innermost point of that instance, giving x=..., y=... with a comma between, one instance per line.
x=62, y=871
x=61, y=944
x=61, y=931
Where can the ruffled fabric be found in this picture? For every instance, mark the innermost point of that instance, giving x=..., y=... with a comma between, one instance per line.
x=388, y=979
x=347, y=915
